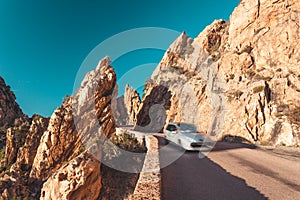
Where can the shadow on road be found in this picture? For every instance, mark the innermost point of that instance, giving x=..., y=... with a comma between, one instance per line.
x=222, y=146
x=190, y=177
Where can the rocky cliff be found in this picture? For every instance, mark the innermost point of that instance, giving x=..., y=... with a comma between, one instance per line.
x=240, y=77
x=126, y=107
x=60, y=158
x=9, y=109
x=11, y=114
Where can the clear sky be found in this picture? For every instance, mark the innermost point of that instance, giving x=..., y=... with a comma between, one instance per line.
x=43, y=43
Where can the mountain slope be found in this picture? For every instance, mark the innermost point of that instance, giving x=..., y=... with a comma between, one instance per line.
x=238, y=78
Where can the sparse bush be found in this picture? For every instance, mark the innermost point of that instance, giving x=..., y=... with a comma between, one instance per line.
x=127, y=142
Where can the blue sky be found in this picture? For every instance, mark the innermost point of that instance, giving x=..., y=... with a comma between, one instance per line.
x=44, y=43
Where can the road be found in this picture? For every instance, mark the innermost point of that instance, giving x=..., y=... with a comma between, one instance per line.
x=230, y=171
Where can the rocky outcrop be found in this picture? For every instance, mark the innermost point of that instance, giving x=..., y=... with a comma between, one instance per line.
x=78, y=179
x=126, y=107
x=60, y=143
x=132, y=102
x=152, y=116
x=27, y=152
x=241, y=77
x=83, y=121
x=120, y=111
x=15, y=138
x=10, y=112
x=65, y=151
x=14, y=182
x=9, y=109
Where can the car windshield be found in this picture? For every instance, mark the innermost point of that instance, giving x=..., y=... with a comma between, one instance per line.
x=188, y=128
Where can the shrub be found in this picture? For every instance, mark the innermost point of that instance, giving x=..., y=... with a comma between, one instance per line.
x=127, y=142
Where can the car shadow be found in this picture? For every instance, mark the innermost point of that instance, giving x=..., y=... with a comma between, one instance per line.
x=218, y=146
x=189, y=177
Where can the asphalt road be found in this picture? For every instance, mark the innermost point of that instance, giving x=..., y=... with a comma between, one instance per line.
x=230, y=171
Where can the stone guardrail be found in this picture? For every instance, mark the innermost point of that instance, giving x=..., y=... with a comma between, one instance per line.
x=149, y=183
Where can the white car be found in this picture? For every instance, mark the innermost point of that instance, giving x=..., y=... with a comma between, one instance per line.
x=186, y=136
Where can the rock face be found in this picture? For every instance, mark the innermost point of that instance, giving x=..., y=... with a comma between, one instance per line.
x=9, y=109
x=132, y=103
x=241, y=77
x=27, y=152
x=15, y=138
x=120, y=111
x=151, y=116
x=126, y=107
x=62, y=153
x=58, y=144
x=79, y=179
x=10, y=112
x=80, y=123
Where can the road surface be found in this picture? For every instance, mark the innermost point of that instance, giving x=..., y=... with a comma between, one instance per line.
x=230, y=171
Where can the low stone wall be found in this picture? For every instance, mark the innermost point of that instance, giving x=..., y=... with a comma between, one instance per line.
x=149, y=183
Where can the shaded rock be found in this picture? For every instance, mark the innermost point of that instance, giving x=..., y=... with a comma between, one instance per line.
x=78, y=179
x=15, y=139
x=241, y=77
x=27, y=152
x=9, y=109
x=58, y=144
x=132, y=102
x=126, y=107
x=152, y=114
x=14, y=182
x=120, y=111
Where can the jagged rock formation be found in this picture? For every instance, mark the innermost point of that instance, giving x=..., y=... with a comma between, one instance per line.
x=120, y=111
x=15, y=138
x=240, y=77
x=151, y=116
x=78, y=179
x=126, y=107
x=9, y=109
x=63, y=152
x=132, y=102
x=60, y=143
x=11, y=114
x=20, y=151
x=28, y=151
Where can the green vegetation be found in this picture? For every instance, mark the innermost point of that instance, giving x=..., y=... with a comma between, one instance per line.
x=128, y=142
